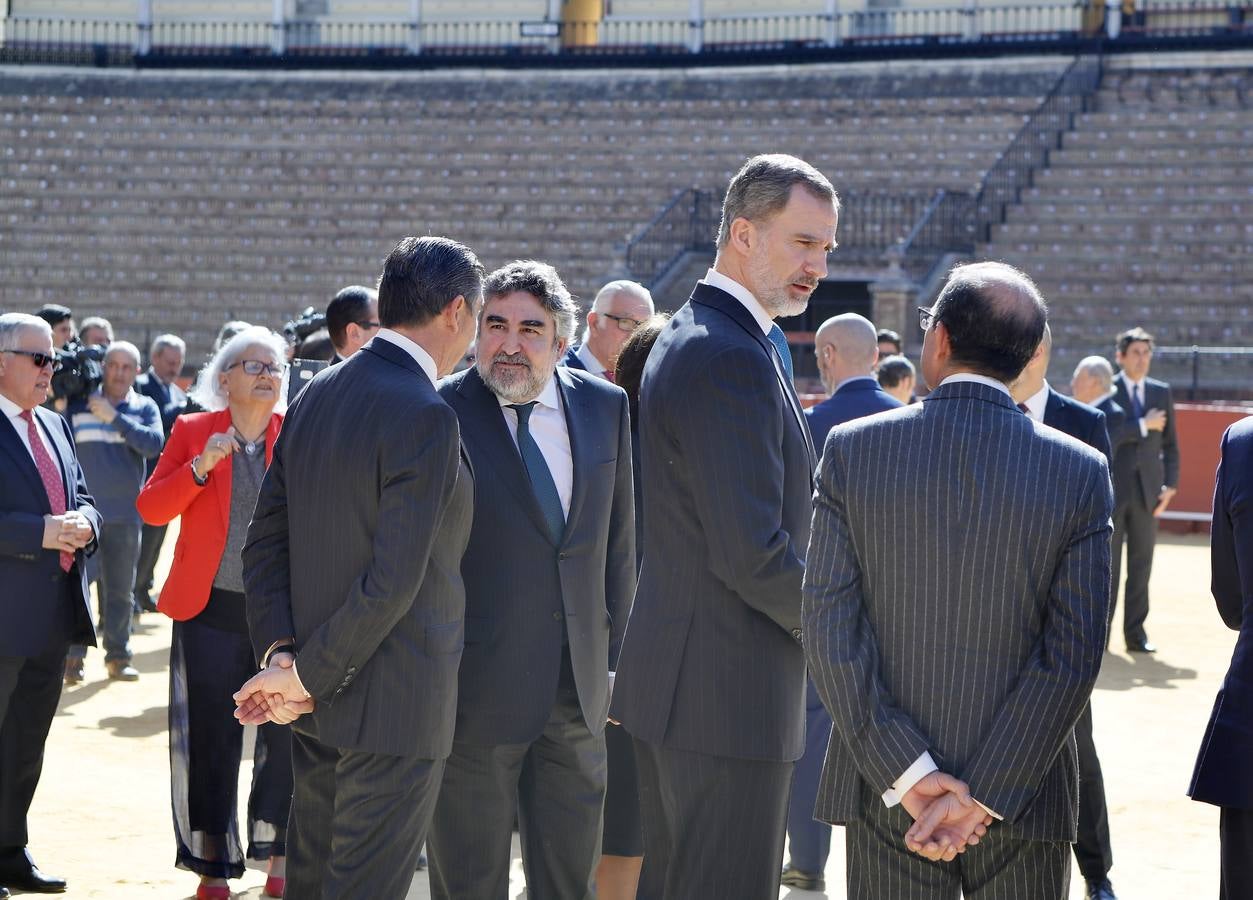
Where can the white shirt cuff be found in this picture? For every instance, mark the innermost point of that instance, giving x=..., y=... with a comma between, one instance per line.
x=1144, y=429
x=922, y=767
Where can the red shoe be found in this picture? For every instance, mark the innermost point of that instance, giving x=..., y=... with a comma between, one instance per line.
x=213, y=892
x=274, y=886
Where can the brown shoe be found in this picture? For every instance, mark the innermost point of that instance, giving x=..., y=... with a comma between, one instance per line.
x=121, y=670
x=73, y=670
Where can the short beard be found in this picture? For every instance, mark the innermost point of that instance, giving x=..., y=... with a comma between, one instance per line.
x=521, y=389
x=778, y=302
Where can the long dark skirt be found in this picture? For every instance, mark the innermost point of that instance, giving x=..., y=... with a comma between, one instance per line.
x=207, y=665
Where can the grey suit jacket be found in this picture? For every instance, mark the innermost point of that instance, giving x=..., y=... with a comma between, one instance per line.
x=1144, y=465
x=712, y=661
x=956, y=601
x=355, y=550
x=523, y=589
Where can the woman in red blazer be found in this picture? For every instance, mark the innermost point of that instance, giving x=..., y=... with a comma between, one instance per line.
x=209, y=474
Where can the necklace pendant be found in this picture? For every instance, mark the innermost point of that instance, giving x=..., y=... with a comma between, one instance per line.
x=250, y=448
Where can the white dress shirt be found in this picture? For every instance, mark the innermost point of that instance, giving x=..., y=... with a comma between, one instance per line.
x=978, y=379
x=548, y=428
x=13, y=413
x=588, y=358
x=1036, y=402
x=414, y=349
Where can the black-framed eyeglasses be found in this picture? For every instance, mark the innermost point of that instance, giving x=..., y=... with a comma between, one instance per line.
x=925, y=318
x=624, y=323
x=39, y=358
x=368, y=325
x=257, y=366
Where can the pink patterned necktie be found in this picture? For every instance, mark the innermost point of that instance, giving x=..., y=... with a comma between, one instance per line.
x=608, y=373
x=51, y=476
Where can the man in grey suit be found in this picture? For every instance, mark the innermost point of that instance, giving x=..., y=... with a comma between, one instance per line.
x=975, y=645
x=352, y=571
x=1146, y=477
x=711, y=681
x=549, y=575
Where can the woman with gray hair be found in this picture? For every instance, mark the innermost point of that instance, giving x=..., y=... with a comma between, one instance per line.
x=214, y=462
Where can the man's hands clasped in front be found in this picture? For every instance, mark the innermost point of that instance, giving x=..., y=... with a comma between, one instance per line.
x=273, y=695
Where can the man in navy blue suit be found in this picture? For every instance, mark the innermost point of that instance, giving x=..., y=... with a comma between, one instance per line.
x=619, y=308
x=1222, y=775
x=1093, y=851
x=847, y=349
x=48, y=523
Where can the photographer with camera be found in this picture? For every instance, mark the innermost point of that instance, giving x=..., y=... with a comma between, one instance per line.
x=116, y=430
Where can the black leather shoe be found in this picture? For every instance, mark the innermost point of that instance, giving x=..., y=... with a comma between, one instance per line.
x=32, y=881
x=1101, y=890
x=803, y=881
x=4, y=893
x=1141, y=646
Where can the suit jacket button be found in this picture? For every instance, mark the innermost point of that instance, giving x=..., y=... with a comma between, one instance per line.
x=563, y=555
x=557, y=617
x=796, y=633
x=352, y=670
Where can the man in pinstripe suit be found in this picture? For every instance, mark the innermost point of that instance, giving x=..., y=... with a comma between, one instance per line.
x=353, y=578
x=975, y=646
x=711, y=677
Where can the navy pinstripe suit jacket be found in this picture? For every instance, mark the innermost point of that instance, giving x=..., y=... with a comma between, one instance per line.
x=956, y=600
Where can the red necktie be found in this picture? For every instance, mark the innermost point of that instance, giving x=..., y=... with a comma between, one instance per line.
x=608, y=373
x=51, y=476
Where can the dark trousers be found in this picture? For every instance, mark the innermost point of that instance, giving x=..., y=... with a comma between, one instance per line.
x=358, y=821
x=809, y=841
x=207, y=665
x=1093, y=851
x=880, y=866
x=713, y=826
x=1235, y=833
x=1135, y=526
x=112, y=568
x=30, y=687
x=555, y=785
x=150, y=541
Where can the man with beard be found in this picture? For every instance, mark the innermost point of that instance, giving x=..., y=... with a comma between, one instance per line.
x=549, y=575
x=711, y=682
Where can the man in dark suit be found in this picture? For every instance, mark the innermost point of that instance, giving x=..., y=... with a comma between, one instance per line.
x=916, y=666
x=352, y=317
x=1222, y=775
x=1093, y=384
x=1146, y=477
x=549, y=573
x=165, y=364
x=619, y=308
x=1093, y=851
x=711, y=681
x=846, y=350
x=48, y=524
x=352, y=572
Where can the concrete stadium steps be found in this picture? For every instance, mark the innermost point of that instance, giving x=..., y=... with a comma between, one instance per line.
x=1141, y=218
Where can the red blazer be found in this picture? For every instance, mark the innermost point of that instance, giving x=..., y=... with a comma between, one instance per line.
x=172, y=491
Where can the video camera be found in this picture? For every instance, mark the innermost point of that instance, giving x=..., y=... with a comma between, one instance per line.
x=81, y=370
x=304, y=325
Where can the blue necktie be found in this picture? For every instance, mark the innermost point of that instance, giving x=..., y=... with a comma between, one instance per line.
x=775, y=335
x=537, y=469
x=1137, y=408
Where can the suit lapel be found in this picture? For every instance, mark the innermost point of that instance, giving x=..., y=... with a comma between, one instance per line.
x=11, y=444
x=486, y=424
x=222, y=471
x=577, y=420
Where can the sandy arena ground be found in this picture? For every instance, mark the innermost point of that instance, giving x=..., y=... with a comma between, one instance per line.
x=101, y=817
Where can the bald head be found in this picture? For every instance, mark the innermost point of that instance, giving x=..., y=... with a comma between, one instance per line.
x=846, y=346
x=1093, y=379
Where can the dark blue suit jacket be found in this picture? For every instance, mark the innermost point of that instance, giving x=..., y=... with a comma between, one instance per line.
x=1223, y=775
x=571, y=360
x=854, y=400
x=33, y=617
x=171, y=400
x=524, y=589
x=1087, y=423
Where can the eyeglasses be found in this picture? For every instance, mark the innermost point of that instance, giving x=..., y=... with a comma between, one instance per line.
x=624, y=323
x=39, y=358
x=257, y=366
x=925, y=318
x=369, y=325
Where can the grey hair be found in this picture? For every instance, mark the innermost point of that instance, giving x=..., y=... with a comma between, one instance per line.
x=123, y=347
x=761, y=189
x=13, y=324
x=613, y=289
x=1099, y=368
x=97, y=322
x=166, y=341
x=208, y=392
x=542, y=282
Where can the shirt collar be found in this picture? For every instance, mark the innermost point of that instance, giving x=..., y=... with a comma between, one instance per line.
x=851, y=380
x=1101, y=399
x=414, y=349
x=714, y=278
x=549, y=397
x=588, y=358
x=1133, y=384
x=1036, y=402
x=11, y=410
x=978, y=379
x=152, y=374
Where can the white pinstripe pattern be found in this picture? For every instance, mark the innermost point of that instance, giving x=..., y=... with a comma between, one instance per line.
x=979, y=639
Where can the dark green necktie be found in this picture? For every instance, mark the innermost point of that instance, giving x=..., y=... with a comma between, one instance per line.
x=537, y=468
